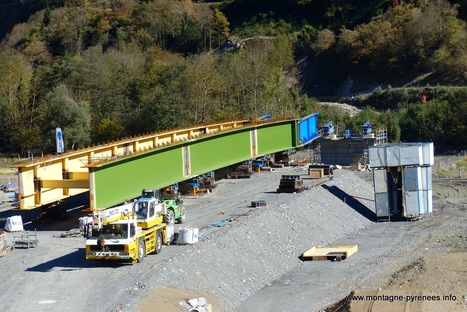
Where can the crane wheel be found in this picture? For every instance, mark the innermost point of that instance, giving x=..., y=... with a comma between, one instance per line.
x=169, y=217
x=158, y=242
x=141, y=250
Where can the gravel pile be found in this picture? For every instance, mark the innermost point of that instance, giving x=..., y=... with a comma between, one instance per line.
x=254, y=250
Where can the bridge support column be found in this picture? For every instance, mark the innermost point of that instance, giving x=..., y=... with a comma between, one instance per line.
x=186, y=160
x=254, y=142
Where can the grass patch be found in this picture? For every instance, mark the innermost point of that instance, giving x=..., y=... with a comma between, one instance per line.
x=7, y=171
x=7, y=160
x=443, y=171
x=462, y=163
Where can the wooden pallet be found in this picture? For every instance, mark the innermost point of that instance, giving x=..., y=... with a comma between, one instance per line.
x=329, y=253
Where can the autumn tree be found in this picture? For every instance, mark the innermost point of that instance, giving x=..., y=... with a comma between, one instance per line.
x=324, y=40
x=220, y=26
x=204, y=81
x=18, y=106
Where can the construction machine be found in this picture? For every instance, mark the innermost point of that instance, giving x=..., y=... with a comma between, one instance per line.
x=174, y=210
x=132, y=230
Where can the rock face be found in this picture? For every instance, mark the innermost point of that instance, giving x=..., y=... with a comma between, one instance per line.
x=236, y=45
x=244, y=256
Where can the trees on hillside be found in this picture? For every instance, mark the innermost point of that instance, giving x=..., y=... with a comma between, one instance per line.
x=19, y=107
x=204, y=83
x=74, y=118
x=101, y=70
x=408, y=38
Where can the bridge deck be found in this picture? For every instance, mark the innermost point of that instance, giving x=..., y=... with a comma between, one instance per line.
x=118, y=170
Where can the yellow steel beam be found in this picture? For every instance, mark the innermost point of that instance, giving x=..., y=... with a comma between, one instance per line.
x=77, y=175
x=55, y=184
x=46, y=179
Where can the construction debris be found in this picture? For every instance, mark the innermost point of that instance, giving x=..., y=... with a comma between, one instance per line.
x=72, y=233
x=263, y=164
x=258, y=203
x=316, y=173
x=196, y=305
x=243, y=170
x=329, y=253
x=171, y=192
x=189, y=187
x=291, y=184
x=316, y=183
x=25, y=240
x=327, y=170
x=283, y=158
x=199, y=185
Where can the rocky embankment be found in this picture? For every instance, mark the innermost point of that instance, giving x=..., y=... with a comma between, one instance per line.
x=235, y=261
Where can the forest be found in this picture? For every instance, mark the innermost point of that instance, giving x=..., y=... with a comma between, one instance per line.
x=105, y=69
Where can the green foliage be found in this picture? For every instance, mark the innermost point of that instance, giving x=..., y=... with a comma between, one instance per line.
x=107, y=130
x=156, y=99
x=462, y=163
x=18, y=107
x=391, y=120
x=442, y=119
x=62, y=111
x=266, y=24
x=102, y=70
x=408, y=39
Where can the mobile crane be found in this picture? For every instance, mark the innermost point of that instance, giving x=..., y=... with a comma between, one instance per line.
x=130, y=231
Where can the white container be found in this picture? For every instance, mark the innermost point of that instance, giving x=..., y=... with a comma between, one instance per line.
x=426, y=178
x=14, y=224
x=401, y=154
x=428, y=154
x=411, y=154
x=187, y=236
x=170, y=230
x=380, y=181
x=393, y=156
x=382, y=205
x=414, y=203
x=412, y=178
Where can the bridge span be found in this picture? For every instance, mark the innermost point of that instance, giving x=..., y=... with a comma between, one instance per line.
x=119, y=170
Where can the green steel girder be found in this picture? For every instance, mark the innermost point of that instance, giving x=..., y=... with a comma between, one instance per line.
x=116, y=181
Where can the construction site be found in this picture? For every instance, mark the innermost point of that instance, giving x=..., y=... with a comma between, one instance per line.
x=263, y=215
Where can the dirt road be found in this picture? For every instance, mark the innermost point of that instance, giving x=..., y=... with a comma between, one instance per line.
x=384, y=249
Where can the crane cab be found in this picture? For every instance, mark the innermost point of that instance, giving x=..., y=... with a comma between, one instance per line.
x=149, y=212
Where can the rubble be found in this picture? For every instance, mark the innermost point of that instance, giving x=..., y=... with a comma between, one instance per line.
x=196, y=305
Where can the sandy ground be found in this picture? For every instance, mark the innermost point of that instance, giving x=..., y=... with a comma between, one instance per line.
x=426, y=257
x=433, y=282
